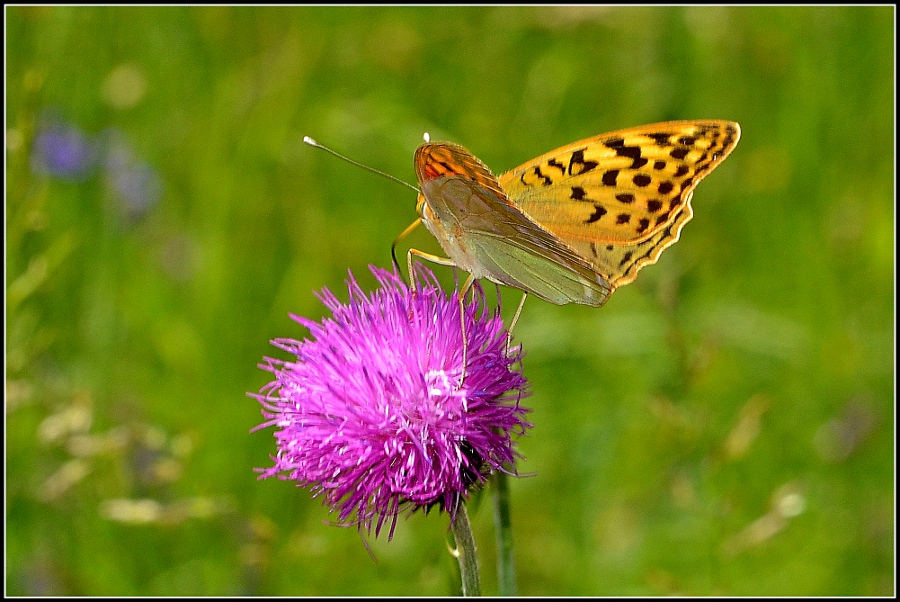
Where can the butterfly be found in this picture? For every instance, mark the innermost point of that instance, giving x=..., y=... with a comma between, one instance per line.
x=574, y=224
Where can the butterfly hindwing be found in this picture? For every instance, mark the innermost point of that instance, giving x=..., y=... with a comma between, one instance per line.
x=486, y=236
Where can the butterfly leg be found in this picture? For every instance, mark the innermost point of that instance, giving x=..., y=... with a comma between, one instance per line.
x=514, y=321
x=427, y=257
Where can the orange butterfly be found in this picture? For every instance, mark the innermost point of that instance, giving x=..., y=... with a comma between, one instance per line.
x=573, y=224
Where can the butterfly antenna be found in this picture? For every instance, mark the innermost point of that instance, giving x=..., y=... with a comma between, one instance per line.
x=312, y=142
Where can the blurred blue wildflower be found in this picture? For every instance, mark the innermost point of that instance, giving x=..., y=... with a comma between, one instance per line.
x=64, y=151
x=378, y=414
x=134, y=182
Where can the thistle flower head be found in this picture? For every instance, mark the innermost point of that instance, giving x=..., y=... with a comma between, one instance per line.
x=377, y=413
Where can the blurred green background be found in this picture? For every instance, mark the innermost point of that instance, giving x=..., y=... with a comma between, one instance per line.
x=723, y=426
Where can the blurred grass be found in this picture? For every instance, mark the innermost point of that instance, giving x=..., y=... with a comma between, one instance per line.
x=724, y=426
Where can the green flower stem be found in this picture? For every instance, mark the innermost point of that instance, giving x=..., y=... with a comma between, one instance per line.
x=506, y=566
x=465, y=551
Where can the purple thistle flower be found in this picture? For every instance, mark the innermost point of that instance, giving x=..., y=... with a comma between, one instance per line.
x=372, y=414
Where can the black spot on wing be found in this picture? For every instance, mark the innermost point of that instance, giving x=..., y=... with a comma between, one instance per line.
x=577, y=164
x=545, y=180
x=632, y=152
x=729, y=139
x=641, y=180
x=661, y=138
x=557, y=165
x=598, y=213
x=609, y=178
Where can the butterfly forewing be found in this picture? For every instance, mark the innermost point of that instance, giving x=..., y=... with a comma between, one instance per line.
x=622, y=186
